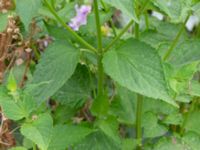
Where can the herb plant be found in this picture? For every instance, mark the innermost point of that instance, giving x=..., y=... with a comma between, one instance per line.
x=99, y=75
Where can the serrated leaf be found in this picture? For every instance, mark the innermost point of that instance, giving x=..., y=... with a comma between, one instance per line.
x=16, y=109
x=185, y=53
x=67, y=135
x=126, y=6
x=97, y=141
x=11, y=110
x=39, y=131
x=138, y=67
x=27, y=10
x=56, y=66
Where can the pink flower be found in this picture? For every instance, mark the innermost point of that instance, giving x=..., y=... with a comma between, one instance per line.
x=81, y=16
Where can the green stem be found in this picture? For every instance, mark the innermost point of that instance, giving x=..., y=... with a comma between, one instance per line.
x=34, y=147
x=139, y=102
x=175, y=41
x=113, y=27
x=137, y=31
x=119, y=36
x=139, y=121
x=81, y=40
x=100, y=51
x=98, y=26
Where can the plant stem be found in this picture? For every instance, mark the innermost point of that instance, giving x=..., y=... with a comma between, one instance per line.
x=139, y=121
x=80, y=39
x=119, y=36
x=137, y=33
x=98, y=26
x=100, y=51
x=175, y=41
x=113, y=27
x=34, y=147
x=139, y=101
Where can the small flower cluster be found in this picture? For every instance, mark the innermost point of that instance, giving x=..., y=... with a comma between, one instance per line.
x=81, y=16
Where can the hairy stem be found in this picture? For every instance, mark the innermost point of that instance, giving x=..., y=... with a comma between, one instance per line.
x=80, y=39
x=100, y=51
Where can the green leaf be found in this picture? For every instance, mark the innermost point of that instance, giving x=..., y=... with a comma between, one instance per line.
x=110, y=128
x=11, y=109
x=30, y=6
x=189, y=141
x=3, y=22
x=192, y=140
x=76, y=89
x=126, y=6
x=151, y=126
x=129, y=144
x=180, y=78
x=124, y=106
x=177, y=10
x=138, y=67
x=158, y=107
x=16, y=109
x=11, y=83
x=185, y=53
x=97, y=141
x=174, y=118
x=56, y=66
x=67, y=135
x=100, y=106
x=154, y=38
x=193, y=122
x=39, y=131
x=171, y=143
x=194, y=88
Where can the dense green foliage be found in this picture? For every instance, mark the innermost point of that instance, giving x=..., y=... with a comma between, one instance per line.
x=111, y=85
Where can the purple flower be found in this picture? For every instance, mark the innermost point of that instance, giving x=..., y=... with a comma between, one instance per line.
x=81, y=16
